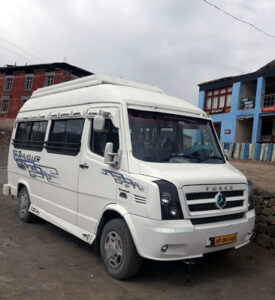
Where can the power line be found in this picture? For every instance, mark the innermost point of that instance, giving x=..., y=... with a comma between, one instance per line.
x=16, y=53
x=29, y=53
x=47, y=57
x=242, y=21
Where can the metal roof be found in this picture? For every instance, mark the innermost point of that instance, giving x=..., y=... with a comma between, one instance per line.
x=266, y=70
x=11, y=69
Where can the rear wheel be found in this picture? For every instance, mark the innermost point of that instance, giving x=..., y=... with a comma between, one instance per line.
x=118, y=250
x=24, y=206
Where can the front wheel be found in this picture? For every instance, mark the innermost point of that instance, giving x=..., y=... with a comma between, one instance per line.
x=24, y=205
x=118, y=250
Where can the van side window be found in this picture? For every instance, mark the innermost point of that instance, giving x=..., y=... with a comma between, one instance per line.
x=99, y=139
x=65, y=136
x=30, y=135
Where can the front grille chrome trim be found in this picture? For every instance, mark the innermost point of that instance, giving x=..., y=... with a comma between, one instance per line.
x=200, y=200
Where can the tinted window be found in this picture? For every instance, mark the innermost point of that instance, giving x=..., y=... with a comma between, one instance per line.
x=37, y=134
x=168, y=138
x=30, y=135
x=65, y=136
x=99, y=139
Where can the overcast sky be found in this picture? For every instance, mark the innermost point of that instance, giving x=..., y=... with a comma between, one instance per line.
x=174, y=44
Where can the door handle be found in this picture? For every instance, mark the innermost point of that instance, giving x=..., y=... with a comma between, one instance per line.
x=84, y=166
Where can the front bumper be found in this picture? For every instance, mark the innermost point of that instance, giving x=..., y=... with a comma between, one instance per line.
x=6, y=189
x=184, y=239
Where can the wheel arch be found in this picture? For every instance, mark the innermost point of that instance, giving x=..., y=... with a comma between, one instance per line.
x=113, y=211
x=20, y=185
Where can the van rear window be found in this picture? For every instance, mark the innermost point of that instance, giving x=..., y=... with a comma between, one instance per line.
x=30, y=135
x=65, y=136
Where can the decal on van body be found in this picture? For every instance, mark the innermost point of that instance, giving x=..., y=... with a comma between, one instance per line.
x=119, y=178
x=29, y=163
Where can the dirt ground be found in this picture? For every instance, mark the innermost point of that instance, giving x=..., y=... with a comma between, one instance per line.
x=40, y=261
x=262, y=174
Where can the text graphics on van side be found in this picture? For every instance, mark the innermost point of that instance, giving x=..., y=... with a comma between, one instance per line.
x=119, y=178
x=30, y=164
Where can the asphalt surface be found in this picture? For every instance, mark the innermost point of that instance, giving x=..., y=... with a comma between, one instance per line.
x=41, y=261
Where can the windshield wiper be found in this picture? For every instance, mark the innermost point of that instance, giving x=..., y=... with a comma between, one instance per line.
x=211, y=157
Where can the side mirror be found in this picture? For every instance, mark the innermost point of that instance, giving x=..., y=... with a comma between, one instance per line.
x=110, y=158
x=99, y=123
x=226, y=154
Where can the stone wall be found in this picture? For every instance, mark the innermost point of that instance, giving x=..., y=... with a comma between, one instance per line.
x=265, y=219
x=6, y=124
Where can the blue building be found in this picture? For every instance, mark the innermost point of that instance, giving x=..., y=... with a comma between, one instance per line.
x=242, y=107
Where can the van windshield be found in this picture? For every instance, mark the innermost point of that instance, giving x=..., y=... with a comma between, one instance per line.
x=167, y=138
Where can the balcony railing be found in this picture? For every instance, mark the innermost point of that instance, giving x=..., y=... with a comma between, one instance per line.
x=269, y=100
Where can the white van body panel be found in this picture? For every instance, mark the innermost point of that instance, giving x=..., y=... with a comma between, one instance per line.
x=74, y=192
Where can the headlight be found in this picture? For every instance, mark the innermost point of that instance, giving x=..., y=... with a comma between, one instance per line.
x=250, y=195
x=169, y=201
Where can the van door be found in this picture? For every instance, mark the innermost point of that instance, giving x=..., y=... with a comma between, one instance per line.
x=96, y=185
x=59, y=195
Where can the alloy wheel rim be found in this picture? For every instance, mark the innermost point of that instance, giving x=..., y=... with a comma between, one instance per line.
x=24, y=204
x=113, y=249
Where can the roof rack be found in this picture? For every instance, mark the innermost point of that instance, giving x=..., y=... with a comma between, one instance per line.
x=91, y=81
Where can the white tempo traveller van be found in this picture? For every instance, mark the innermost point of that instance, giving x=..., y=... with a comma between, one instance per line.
x=129, y=168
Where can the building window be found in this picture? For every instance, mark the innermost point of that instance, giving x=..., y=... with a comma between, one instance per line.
x=28, y=82
x=49, y=79
x=24, y=100
x=8, y=83
x=208, y=103
x=222, y=101
x=228, y=100
x=215, y=102
x=5, y=104
x=218, y=100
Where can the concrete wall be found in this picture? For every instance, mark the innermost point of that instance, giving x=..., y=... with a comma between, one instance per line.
x=244, y=131
x=6, y=124
x=249, y=89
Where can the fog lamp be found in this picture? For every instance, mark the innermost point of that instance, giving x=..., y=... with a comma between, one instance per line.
x=164, y=248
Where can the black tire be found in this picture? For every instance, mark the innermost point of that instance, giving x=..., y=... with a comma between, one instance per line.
x=24, y=205
x=127, y=264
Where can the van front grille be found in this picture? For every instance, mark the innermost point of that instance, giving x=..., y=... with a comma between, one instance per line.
x=201, y=200
x=212, y=206
x=209, y=195
x=197, y=221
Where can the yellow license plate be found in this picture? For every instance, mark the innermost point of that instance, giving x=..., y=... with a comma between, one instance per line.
x=225, y=239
